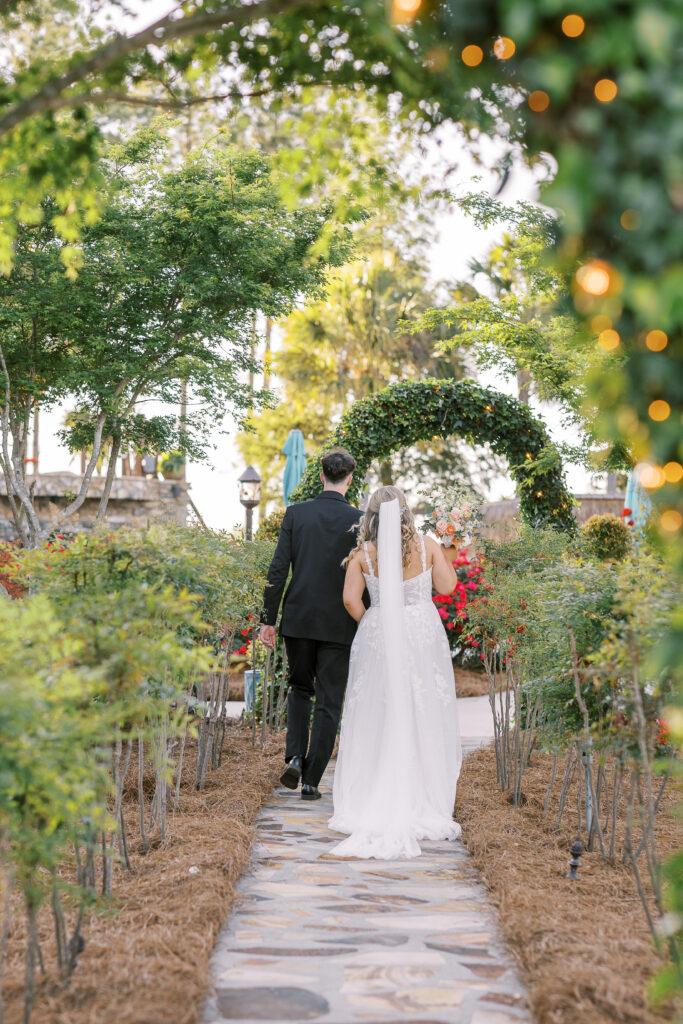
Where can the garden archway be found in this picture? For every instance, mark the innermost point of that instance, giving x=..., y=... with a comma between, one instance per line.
x=402, y=414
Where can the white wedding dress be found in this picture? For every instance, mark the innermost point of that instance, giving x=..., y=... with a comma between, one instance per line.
x=399, y=752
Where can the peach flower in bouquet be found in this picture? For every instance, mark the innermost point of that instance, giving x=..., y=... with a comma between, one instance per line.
x=457, y=526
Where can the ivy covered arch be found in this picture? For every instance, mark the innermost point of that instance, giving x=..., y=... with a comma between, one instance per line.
x=402, y=414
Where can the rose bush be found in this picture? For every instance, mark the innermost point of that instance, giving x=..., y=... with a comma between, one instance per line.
x=453, y=608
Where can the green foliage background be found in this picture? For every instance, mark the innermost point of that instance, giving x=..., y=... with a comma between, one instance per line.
x=402, y=414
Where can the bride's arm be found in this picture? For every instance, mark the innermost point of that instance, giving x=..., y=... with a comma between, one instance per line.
x=443, y=574
x=354, y=586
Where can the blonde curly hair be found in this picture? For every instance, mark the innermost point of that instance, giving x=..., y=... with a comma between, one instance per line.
x=369, y=524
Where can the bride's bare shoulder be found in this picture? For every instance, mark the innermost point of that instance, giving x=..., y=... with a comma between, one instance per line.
x=432, y=547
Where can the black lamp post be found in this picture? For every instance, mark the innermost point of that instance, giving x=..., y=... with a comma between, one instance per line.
x=250, y=496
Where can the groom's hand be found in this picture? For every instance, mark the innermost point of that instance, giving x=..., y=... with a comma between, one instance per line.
x=268, y=636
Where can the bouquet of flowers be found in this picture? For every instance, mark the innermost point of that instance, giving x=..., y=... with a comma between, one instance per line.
x=455, y=516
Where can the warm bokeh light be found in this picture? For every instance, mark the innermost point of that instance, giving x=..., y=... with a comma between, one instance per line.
x=608, y=339
x=659, y=410
x=671, y=520
x=673, y=471
x=600, y=322
x=573, y=25
x=594, y=277
x=605, y=90
x=630, y=220
x=407, y=6
x=504, y=48
x=437, y=58
x=472, y=55
x=651, y=477
x=539, y=100
x=656, y=340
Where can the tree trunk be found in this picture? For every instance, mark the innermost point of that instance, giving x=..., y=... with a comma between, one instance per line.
x=109, y=480
x=523, y=385
x=267, y=354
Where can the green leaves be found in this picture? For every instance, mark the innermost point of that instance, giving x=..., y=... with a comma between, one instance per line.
x=403, y=414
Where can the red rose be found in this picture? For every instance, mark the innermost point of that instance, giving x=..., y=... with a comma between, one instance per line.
x=626, y=512
x=242, y=650
x=630, y=522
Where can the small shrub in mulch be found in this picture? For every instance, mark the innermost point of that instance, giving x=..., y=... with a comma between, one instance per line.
x=147, y=950
x=584, y=948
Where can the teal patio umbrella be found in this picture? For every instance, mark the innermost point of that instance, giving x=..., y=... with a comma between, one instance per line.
x=295, y=466
x=638, y=501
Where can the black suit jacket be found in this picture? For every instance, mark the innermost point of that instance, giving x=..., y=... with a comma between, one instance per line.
x=314, y=538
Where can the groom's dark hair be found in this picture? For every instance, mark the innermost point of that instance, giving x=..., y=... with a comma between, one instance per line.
x=337, y=465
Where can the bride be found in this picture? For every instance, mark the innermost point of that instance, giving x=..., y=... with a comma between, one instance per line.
x=399, y=752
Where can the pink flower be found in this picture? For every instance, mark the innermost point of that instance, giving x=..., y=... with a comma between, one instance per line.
x=441, y=525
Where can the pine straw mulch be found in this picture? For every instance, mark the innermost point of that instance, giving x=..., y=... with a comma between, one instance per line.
x=469, y=683
x=146, y=956
x=583, y=947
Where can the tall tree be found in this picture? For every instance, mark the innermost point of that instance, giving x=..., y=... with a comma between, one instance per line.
x=514, y=316
x=170, y=279
x=345, y=347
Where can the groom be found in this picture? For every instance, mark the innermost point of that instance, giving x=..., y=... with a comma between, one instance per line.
x=314, y=539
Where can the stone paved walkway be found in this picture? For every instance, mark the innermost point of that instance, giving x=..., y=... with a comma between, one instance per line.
x=344, y=941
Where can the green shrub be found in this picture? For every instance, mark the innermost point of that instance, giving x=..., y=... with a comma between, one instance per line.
x=606, y=537
x=269, y=527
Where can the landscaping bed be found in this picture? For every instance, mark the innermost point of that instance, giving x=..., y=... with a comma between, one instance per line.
x=146, y=955
x=583, y=947
x=469, y=683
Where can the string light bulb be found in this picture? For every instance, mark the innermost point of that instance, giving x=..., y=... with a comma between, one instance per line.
x=656, y=340
x=594, y=277
x=659, y=410
x=538, y=101
x=472, y=55
x=671, y=520
x=605, y=90
x=608, y=339
x=651, y=477
x=673, y=471
x=504, y=48
x=573, y=25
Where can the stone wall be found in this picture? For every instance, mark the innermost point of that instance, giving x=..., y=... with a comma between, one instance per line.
x=500, y=516
x=134, y=501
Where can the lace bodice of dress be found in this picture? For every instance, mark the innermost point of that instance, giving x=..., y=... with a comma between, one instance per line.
x=417, y=590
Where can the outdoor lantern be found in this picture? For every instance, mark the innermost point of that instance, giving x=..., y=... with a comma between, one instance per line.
x=250, y=495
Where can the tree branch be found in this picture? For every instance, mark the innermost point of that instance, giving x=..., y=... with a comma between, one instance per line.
x=176, y=103
x=74, y=505
x=14, y=486
x=50, y=96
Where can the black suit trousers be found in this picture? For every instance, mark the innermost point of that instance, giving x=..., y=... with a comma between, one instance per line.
x=316, y=668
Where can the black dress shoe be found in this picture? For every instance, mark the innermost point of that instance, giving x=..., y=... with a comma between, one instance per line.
x=292, y=773
x=309, y=792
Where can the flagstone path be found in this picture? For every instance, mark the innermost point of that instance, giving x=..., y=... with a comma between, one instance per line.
x=312, y=938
